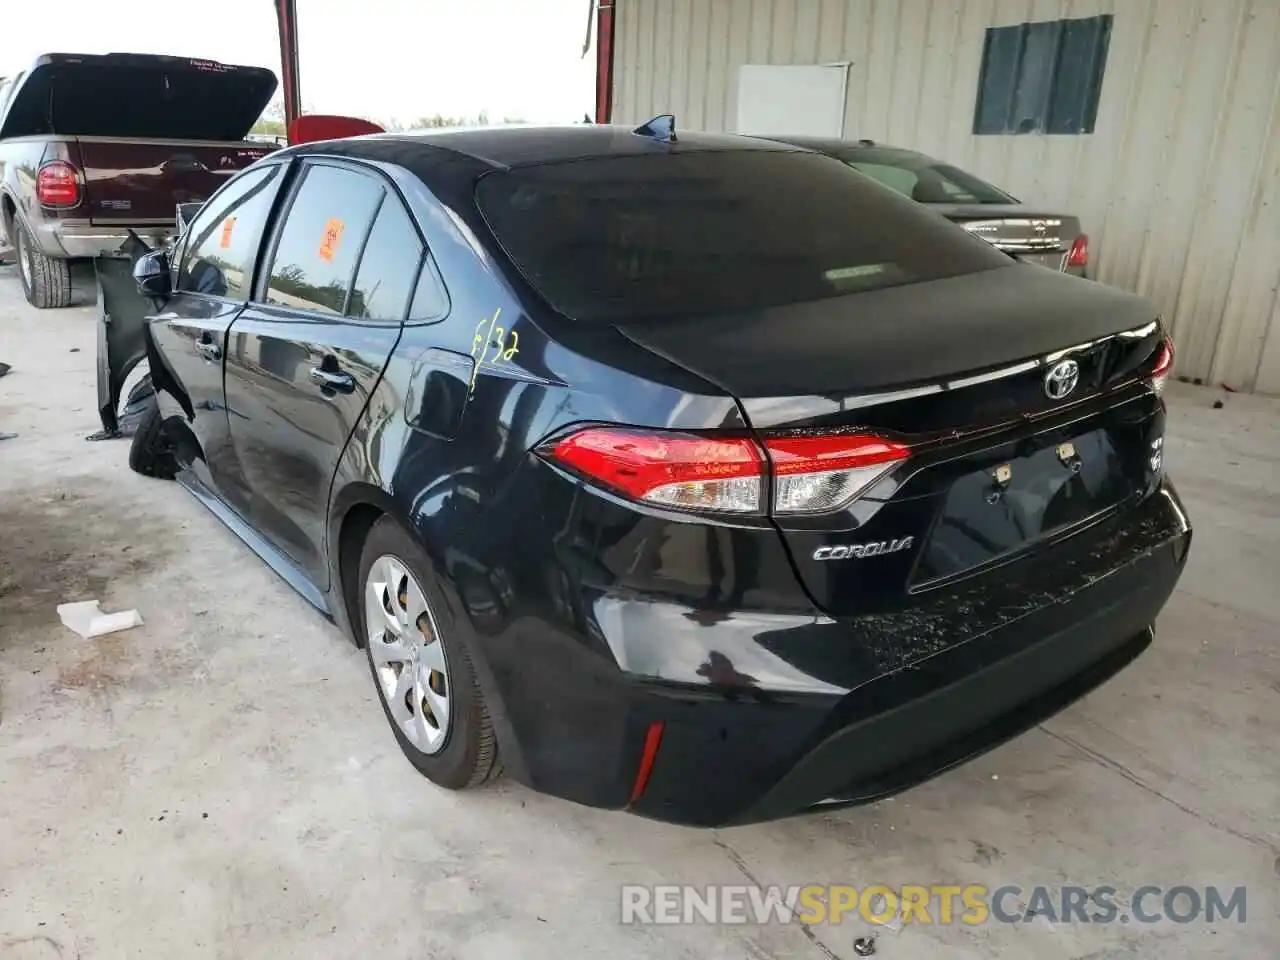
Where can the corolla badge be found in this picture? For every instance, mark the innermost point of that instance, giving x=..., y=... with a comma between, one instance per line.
x=1061, y=379
x=860, y=550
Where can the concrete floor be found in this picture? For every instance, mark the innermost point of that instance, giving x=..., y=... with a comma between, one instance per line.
x=219, y=783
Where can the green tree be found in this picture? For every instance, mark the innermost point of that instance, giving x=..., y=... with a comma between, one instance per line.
x=271, y=123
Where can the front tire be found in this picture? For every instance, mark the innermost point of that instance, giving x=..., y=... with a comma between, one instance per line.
x=421, y=668
x=46, y=282
x=150, y=452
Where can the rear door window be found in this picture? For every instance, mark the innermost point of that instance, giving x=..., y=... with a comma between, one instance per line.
x=430, y=299
x=319, y=246
x=388, y=267
x=222, y=241
x=665, y=235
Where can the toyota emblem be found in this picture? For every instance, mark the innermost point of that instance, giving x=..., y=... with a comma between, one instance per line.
x=1061, y=379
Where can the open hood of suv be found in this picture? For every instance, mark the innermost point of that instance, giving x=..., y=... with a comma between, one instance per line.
x=137, y=96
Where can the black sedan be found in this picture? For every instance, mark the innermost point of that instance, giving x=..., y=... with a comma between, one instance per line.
x=696, y=476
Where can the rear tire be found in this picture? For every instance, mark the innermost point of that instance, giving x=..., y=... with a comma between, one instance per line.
x=46, y=282
x=150, y=453
x=457, y=750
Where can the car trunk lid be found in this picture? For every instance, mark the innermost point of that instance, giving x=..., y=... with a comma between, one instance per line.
x=1039, y=237
x=961, y=507
x=1000, y=460
x=892, y=338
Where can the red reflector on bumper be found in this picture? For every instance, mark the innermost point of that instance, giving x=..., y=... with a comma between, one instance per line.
x=651, y=740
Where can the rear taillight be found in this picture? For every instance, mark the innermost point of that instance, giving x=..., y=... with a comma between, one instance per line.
x=58, y=184
x=1164, y=364
x=672, y=469
x=812, y=474
x=823, y=473
x=1079, y=255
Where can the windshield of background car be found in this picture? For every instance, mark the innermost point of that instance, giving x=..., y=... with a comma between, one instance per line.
x=928, y=182
x=676, y=234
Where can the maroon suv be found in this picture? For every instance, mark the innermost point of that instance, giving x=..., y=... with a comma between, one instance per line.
x=94, y=146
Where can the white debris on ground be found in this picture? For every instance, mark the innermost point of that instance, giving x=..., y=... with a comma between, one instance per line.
x=86, y=619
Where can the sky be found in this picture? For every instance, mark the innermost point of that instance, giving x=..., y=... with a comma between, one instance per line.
x=382, y=59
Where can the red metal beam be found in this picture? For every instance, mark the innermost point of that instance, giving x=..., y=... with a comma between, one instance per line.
x=287, y=24
x=604, y=61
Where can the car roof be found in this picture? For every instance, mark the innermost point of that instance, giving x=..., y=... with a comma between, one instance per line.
x=519, y=146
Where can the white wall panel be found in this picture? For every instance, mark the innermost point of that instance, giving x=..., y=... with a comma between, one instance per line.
x=796, y=100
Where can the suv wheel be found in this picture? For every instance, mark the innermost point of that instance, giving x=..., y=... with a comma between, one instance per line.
x=421, y=668
x=45, y=281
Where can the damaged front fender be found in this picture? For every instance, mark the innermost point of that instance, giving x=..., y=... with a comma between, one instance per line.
x=121, y=328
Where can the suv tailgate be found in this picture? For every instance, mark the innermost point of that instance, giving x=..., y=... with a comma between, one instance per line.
x=134, y=181
x=138, y=96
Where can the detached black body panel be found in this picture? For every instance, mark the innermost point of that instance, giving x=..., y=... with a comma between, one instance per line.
x=122, y=331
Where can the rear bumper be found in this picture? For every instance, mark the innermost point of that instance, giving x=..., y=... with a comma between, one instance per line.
x=72, y=241
x=736, y=751
x=952, y=721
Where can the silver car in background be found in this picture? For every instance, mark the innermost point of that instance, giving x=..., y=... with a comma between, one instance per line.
x=1034, y=234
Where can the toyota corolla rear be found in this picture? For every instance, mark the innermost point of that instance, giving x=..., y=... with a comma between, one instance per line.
x=935, y=514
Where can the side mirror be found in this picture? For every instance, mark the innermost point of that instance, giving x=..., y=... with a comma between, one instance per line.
x=151, y=273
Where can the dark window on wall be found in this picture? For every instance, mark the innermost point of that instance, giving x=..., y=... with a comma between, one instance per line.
x=1042, y=77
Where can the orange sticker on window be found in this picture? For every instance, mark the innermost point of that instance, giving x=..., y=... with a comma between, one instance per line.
x=228, y=225
x=332, y=236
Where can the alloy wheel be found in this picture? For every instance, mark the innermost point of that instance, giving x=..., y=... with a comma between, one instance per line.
x=408, y=659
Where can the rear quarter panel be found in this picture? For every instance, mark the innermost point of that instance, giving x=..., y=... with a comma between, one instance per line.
x=526, y=555
x=512, y=384
x=20, y=160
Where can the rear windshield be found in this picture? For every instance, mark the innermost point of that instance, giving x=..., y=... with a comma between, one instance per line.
x=656, y=236
x=928, y=182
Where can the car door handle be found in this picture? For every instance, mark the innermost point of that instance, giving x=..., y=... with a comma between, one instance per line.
x=209, y=350
x=335, y=380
